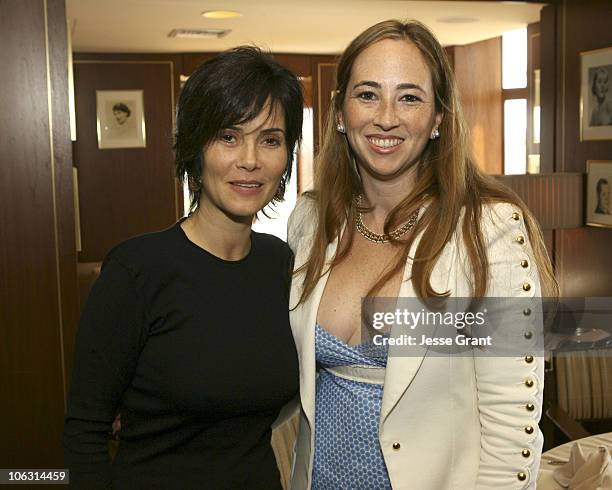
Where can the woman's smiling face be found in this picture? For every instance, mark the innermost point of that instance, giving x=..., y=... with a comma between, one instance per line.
x=243, y=166
x=389, y=108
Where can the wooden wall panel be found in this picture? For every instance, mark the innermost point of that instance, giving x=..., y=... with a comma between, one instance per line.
x=124, y=192
x=192, y=60
x=478, y=72
x=298, y=63
x=176, y=60
x=587, y=27
x=323, y=84
x=584, y=262
x=450, y=54
x=37, y=257
x=583, y=258
x=548, y=88
x=555, y=199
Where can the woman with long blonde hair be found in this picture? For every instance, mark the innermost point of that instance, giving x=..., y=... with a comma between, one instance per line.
x=400, y=210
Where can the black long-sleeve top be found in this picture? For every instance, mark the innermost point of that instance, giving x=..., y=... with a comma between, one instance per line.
x=196, y=354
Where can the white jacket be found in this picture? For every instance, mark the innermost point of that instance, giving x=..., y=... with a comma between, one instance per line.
x=445, y=423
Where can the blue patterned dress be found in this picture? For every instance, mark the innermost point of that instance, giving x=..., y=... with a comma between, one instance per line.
x=347, y=450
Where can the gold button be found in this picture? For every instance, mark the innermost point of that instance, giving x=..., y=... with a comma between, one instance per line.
x=396, y=445
x=521, y=476
x=526, y=311
x=529, y=429
x=528, y=335
x=524, y=264
x=528, y=359
x=529, y=383
x=520, y=239
x=526, y=453
x=526, y=286
x=530, y=407
x=515, y=216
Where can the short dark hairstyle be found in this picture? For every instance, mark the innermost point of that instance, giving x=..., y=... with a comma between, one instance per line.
x=600, y=184
x=230, y=89
x=120, y=106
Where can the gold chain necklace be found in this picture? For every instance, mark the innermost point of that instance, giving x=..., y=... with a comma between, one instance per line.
x=384, y=238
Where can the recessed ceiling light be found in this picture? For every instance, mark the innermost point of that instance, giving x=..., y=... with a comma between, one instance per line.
x=458, y=20
x=221, y=14
x=199, y=33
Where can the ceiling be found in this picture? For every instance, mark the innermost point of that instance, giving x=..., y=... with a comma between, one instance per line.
x=282, y=26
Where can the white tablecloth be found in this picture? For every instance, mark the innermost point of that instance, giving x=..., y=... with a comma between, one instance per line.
x=562, y=453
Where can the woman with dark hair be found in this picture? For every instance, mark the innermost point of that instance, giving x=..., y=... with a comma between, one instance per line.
x=121, y=112
x=400, y=210
x=186, y=332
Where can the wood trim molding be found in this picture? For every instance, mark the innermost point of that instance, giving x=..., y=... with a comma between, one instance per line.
x=54, y=198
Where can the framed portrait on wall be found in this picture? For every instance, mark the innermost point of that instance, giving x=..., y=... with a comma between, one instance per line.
x=120, y=119
x=599, y=193
x=596, y=95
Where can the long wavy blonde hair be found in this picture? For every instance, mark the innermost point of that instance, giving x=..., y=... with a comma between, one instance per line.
x=447, y=178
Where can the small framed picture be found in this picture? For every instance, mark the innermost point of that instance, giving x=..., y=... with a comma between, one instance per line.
x=596, y=95
x=120, y=119
x=599, y=193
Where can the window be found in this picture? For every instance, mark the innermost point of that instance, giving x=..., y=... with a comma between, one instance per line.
x=515, y=136
x=514, y=95
x=514, y=59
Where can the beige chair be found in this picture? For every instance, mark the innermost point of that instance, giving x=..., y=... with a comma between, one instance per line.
x=283, y=440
